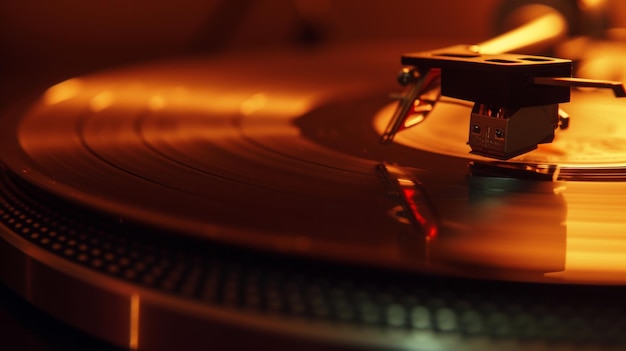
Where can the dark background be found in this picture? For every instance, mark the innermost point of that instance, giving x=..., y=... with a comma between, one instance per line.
x=52, y=40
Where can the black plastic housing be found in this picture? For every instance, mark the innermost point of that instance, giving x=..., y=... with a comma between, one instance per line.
x=504, y=80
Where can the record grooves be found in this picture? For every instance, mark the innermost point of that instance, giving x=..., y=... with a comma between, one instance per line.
x=178, y=209
x=242, y=282
x=352, y=296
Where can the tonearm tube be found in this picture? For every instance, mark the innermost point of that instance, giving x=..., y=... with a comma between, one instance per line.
x=516, y=97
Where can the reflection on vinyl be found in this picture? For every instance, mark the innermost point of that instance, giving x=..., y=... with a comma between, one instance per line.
x=261, y=169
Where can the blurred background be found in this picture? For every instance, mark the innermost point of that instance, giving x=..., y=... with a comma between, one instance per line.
x=78, y=35
x=47, y=41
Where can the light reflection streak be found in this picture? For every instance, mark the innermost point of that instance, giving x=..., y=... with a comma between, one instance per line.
x=179, y=98
x=546, y=28
x=101, y=101
x=133, y=342
x=201, y=112
x=253, y=104
x=591, y=4
x=596, y=234
x=63, y=91
x=156, y=102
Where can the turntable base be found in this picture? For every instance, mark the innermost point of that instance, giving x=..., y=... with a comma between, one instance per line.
x=187, y=203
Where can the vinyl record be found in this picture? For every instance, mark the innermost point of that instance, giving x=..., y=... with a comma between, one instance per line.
x=270, y=153
x=251, y=193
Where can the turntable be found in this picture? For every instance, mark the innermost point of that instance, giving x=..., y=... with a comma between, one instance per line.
x=244, y=201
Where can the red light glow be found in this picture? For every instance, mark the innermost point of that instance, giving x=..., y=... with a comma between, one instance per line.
x=423, y=216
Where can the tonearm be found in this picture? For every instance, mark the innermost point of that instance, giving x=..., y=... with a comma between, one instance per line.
x=516, y=97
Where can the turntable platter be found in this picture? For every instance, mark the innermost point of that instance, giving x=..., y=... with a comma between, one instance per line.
x=251, y=195
x=279, y=152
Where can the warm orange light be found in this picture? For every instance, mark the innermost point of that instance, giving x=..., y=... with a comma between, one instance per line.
x=101, y=101
x=596, y=235
x=63, y=91
x=133, y=342
x=156, y=103
x=253, y=104
x=591, y=4
x=547, y=28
